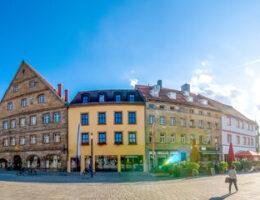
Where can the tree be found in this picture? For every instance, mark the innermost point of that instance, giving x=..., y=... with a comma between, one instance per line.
x=194, y=155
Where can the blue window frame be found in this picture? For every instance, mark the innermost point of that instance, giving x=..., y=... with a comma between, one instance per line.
x=102, y=138
x=118, y=98
x=132, y=137
x=85, y=99
x=131, y=97
x=84, y=119
x=132, y=117
x=118, y=138
x=101, y=118
x=101, y=98
x=118, y=118
x=85, y=138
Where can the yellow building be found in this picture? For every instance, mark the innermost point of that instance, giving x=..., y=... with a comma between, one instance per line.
x=114, y=121
x=176, y=118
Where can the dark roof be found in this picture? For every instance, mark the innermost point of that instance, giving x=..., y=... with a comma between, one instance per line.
x=180, y=97
x=109, y=96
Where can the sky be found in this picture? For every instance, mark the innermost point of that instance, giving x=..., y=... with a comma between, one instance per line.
x=113, y=44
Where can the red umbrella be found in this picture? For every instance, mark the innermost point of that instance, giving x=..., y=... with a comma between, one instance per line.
x=231, y=155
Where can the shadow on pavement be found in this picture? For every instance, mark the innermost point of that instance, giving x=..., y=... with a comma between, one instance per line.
x=222, y=197
x=100, y=177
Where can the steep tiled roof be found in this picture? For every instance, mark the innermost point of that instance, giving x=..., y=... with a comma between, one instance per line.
x=226, y=109
x=180, y=97
x=109, y=96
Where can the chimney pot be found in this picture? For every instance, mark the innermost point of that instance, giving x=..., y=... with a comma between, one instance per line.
x=66, y=95
x=159, y=82
x=59, y=89
x=185, y=88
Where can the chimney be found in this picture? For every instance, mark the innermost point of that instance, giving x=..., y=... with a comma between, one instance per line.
x=66, y=95
x=59, y=89
x=185, y=88
x=159, y=82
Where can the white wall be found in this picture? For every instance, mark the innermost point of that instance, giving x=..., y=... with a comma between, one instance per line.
x=235, y=130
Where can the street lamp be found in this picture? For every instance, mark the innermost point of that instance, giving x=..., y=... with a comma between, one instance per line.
x=91, y=159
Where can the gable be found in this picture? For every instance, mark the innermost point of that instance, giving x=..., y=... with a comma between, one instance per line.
x=23, y=81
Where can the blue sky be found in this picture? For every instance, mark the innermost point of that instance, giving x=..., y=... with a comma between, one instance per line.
x=214, y=45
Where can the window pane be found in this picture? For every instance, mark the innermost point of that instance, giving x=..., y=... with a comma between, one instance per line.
x=118, y=117
x=102, y=118
x=84, y=119
x=132, y=118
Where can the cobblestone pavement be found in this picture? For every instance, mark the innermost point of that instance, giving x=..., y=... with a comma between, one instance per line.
x=212, y=188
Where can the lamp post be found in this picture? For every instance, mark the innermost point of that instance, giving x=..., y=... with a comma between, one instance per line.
x=91, y=159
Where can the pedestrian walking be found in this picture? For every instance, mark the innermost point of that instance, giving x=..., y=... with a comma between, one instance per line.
x=232, y=175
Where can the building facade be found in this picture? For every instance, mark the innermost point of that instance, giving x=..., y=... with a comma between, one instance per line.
x=33, y=118
x=108, y=125
x=236, y=129
x=173, y=120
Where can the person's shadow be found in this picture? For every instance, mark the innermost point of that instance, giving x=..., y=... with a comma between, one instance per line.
x=222, y=197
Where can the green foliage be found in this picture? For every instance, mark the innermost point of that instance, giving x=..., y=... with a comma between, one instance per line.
x=182, y=169
x=237, y=165
x=223, y=166
x=210, y=165
x=246, y=165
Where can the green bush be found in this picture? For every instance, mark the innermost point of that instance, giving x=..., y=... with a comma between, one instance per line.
x=223, y=166
x=246, y=165
x=182, y=169
x=237, y=165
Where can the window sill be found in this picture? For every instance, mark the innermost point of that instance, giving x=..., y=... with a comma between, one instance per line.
x=84, y=144
x=118, y=143
x=102, y=143
x=132, y=143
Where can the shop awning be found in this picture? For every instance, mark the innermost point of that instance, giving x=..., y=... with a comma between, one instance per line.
x=247, y=154
x=210, y=152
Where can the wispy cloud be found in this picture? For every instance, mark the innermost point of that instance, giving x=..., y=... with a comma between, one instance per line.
x=133, y=82
x=244, y=96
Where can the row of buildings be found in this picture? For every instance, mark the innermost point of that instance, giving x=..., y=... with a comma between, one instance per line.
x=113, y=130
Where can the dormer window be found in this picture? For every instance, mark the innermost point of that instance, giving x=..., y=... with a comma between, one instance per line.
x=85, y=99
x=101, y=98
x=10, y=106
x=131, y=97
x=118, y=98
